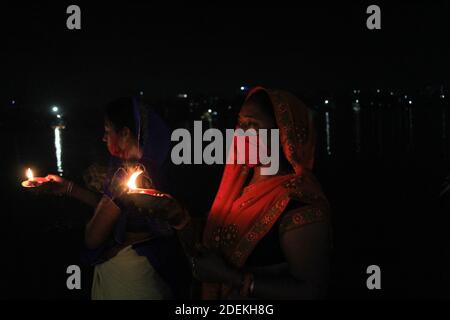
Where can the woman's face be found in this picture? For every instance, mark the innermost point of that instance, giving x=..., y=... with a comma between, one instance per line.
x=252, y=116
x=112, y=139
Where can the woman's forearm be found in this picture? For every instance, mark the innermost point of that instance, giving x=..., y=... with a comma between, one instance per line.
x=190, y=236
x=101, y=225
x=87, y=197
x=285, y=288
x=186, y=237
x=277, y=284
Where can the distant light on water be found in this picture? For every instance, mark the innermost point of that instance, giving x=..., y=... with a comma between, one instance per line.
x=444, y=126
x=328, y=133
x=58, y=151
x=411, y=128
x=357, y=118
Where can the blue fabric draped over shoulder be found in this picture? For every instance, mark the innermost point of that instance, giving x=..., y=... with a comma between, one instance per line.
x=163, y=251
x=154, y=140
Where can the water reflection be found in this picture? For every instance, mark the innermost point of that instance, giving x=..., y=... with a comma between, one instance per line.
x=410, y=129
x=444, y=131
x=382, y=129
x=357, y=132
x=58, y=151
x=328, y=132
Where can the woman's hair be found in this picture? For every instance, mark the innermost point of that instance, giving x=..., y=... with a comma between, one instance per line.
x=262, y=99
x=150, y=130
x=121, y=114
x=129, y=113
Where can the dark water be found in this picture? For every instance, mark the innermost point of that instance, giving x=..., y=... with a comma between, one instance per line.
x=381, y=167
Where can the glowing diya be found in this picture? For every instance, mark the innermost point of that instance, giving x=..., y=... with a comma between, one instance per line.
x=133, y=189
x=155, y=203
x=33, y=182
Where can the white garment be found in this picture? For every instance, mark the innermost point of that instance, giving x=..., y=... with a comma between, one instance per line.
x=128, y=276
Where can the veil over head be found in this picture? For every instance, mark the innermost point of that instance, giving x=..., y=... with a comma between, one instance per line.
x=242, y=215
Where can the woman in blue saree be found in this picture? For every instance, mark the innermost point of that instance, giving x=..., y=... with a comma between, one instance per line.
x=136, y=254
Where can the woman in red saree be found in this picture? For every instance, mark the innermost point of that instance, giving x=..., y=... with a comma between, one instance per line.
x=268, y=237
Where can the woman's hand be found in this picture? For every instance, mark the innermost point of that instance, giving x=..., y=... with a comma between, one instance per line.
x=117, y=187
x=57, y=186
x=162, y=207
x=209, y=266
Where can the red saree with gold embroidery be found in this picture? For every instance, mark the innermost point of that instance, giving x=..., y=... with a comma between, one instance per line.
x=241, y=216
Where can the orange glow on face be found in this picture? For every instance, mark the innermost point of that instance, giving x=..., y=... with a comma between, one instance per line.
x=132, y=181
x=30, y=175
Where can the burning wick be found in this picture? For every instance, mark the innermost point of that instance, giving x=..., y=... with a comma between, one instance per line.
x=30, y=175
x=132, y=181
x=133, y=189
x=33, y=181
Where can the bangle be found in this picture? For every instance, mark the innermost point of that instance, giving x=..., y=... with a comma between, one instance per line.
x=185, y=221
x=246, y=285
x=69, y=188
x=252, y=287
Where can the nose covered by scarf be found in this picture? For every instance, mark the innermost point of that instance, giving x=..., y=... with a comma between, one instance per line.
x=251, y=149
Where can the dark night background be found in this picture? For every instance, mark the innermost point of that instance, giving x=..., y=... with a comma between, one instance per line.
x=381, y=160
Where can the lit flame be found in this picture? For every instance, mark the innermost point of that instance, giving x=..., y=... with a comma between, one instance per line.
x=30, y=175
x=132, y=181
